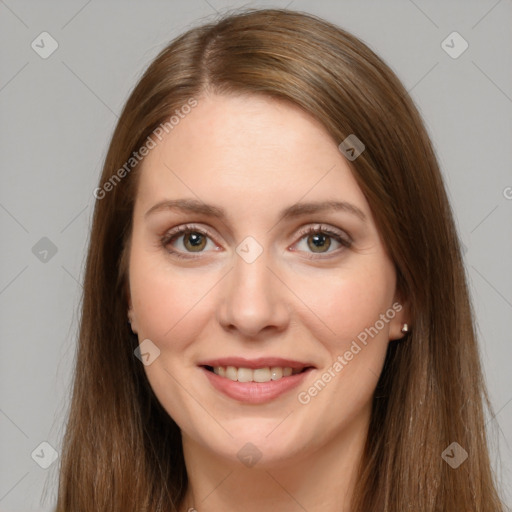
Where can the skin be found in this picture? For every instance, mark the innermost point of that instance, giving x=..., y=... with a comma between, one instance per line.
x=253, y=156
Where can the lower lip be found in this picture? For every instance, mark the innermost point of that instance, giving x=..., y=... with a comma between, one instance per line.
x=255, y=392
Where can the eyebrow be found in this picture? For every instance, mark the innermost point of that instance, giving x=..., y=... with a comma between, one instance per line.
x=295, y=210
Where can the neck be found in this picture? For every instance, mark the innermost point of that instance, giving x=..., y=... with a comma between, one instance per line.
x=317, y=479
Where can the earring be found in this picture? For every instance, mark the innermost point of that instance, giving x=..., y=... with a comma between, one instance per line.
x=405, y=328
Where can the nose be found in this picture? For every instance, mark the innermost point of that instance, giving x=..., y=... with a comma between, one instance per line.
x=254, y=301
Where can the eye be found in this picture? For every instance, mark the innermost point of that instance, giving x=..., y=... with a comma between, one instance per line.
x=319, y=239
x=186, y=239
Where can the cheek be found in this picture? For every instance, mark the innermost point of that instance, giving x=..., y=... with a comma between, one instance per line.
x=168, y=302
x=347, y=306
x=343, y=303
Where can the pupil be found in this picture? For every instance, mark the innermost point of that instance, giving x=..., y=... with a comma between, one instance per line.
x=318, y=237
x=319, y=242
x=195, y=239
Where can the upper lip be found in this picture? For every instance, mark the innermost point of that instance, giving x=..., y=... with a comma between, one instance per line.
x=260, y=362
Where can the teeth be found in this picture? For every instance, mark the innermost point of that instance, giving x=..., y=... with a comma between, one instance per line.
x=220, y=370
x=276, y=373
x=231, y=373
x=245, y=375
x=260, y=375
x=257, y=375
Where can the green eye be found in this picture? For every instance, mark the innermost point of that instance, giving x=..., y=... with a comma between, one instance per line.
x=319, y=239
x=194, y=240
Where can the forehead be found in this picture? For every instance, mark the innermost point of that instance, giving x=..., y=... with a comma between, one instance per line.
x=247, y=151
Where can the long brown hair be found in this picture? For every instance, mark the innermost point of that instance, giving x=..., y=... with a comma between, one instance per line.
x=121, y=451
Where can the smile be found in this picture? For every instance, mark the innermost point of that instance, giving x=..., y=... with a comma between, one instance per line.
x=255, y=382
x=265, y=374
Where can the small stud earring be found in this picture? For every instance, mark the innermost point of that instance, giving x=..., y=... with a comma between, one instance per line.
x=405, y=328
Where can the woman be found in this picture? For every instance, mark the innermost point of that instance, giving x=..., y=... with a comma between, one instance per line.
x=275, y=311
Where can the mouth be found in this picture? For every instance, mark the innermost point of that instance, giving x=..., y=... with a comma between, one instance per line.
x=255, y=381
x=263, y=374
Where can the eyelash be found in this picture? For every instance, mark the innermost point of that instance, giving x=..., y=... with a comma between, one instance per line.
x=310, y=230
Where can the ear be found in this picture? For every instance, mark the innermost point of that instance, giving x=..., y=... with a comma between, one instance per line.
x=131, y=313
x=402, y=316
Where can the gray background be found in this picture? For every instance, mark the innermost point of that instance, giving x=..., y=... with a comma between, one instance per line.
x=57, y=116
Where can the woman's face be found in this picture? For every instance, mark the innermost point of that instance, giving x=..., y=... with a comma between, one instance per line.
x=247, y=287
